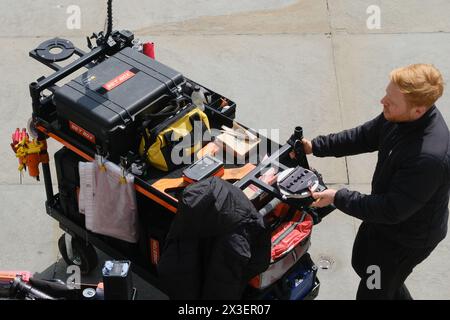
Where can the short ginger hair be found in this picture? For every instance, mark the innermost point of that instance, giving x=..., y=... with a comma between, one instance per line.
x=422, y=84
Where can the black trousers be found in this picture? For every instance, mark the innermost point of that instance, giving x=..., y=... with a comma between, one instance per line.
x=383, y=265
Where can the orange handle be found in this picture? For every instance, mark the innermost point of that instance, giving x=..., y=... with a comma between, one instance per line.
x=33, y=164
x=6, y=276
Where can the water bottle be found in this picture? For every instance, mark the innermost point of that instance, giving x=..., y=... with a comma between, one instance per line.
x=198, y=98
x=137, y=45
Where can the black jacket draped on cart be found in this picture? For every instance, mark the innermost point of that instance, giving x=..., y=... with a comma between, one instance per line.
x=411, y=183
x=216, y=243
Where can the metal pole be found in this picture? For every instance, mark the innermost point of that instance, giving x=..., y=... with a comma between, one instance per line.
x=47, y=181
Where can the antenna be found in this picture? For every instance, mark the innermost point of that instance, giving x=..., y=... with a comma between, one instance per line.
x=109, y=20
x=101, y=37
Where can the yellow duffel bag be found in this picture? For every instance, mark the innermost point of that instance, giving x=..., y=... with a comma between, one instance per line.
x=175, y=140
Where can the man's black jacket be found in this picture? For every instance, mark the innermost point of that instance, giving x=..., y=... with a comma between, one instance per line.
x=411, y=183
x=215, y=245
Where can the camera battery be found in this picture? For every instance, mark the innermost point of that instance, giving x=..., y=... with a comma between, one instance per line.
x=117, y=281
x=203, y=168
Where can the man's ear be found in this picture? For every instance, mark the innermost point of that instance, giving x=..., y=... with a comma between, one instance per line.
x=419, y=111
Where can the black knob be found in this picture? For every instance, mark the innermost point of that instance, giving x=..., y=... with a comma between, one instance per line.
x=298, y=133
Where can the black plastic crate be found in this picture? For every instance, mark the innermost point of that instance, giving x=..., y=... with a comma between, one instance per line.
x=68, y=176
x=214, y=102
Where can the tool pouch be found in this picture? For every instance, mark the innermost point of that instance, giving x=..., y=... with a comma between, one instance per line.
x=175, y=140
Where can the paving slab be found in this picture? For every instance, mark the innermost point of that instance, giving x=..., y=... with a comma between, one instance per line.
x=29, y=18
x=363, y=64
x=430, y=279
x=50, y=19
x=28, y=234
x=296, y=17
x=400, y=16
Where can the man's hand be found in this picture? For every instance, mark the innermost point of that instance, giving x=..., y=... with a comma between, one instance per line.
x=307, y=148
x=324, y=198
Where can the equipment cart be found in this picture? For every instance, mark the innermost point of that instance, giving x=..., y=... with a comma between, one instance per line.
x=57, y=115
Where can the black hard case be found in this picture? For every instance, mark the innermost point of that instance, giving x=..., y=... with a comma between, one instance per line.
x=110, y=115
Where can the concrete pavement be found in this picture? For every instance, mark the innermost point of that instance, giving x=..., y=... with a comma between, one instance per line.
x=285, y=62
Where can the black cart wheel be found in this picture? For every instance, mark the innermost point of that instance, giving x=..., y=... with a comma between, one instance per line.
x=84, y=255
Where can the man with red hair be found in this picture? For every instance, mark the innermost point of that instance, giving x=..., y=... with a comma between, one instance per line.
x=406, y=214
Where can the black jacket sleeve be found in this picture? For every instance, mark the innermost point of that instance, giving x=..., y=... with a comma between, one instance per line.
x=411, y=187
x=350, y=142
